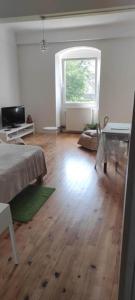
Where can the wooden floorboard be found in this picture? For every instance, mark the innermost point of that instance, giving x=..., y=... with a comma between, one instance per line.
x=70, y=250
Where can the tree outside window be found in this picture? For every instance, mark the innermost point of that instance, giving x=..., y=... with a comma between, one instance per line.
x=80, y=80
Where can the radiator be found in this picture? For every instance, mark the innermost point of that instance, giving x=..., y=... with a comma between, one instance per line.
x=77, y=118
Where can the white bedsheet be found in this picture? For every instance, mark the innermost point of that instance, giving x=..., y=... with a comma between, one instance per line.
x=19, y=165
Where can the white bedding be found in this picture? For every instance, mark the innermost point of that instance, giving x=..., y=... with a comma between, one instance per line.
x=19, y=165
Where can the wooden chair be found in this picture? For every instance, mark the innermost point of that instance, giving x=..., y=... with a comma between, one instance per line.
x=99, y=131
x=114, y=148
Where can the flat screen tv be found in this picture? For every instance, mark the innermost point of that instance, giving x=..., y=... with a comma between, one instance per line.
x=12, y=116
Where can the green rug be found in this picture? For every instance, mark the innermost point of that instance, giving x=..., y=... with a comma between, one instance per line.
x=26, y=204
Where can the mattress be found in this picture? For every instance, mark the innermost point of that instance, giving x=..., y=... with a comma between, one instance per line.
x=19, y=166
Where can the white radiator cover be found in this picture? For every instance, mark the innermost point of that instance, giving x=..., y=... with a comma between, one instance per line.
x=77, y=118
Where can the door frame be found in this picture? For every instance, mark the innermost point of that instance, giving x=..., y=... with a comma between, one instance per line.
x=127, y=267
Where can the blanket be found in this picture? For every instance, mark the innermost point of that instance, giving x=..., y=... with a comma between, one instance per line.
x=19, y=166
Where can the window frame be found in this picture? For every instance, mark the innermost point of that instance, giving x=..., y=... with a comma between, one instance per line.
x=80, y=103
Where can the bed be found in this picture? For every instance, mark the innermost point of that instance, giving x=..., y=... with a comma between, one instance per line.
x=19, y=166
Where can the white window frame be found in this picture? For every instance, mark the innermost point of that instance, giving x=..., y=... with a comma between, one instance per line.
x=80, y=104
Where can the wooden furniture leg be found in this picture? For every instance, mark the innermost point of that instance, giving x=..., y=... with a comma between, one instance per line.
x=105, y=167
x=116, y=166
x=40, y=179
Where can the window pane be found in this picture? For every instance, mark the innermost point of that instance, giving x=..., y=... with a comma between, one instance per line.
x=80, y=80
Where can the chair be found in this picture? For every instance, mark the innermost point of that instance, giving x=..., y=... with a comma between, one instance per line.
x=100, y=153
x=106, y=120
x=112, y=148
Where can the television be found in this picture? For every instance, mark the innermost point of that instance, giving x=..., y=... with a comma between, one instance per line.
x=12, y=116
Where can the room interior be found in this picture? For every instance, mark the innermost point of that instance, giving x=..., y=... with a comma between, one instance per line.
x=29, y=76
x=78, y=230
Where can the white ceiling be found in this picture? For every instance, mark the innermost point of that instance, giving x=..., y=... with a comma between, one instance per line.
x=76, y=21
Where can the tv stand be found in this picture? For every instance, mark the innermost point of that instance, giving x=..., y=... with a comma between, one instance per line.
x=9, y=134
x=15, y=126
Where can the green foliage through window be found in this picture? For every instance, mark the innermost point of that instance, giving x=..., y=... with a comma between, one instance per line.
x=80, y=80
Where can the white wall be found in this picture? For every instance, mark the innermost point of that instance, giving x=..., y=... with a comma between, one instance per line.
x=37, y=84
x=58, y=90
x=117, y=79
x=37, y=79
x=9, y=83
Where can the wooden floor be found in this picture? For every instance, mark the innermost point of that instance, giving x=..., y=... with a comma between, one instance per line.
x=70, y=250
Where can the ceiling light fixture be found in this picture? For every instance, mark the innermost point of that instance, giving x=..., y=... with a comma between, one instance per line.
x=43, y=43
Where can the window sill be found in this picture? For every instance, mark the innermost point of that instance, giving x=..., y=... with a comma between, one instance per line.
x=80, y=105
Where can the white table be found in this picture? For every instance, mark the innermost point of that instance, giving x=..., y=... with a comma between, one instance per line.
x=6, y=221
x=119, y=129
x=112, y=131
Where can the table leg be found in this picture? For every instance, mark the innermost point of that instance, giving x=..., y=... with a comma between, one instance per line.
x=40, y=179
x=105, y=167
x=13, y=243
x=116, y=166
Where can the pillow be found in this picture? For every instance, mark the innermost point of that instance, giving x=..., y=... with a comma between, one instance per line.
x=91, y=132
x=88, y=142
